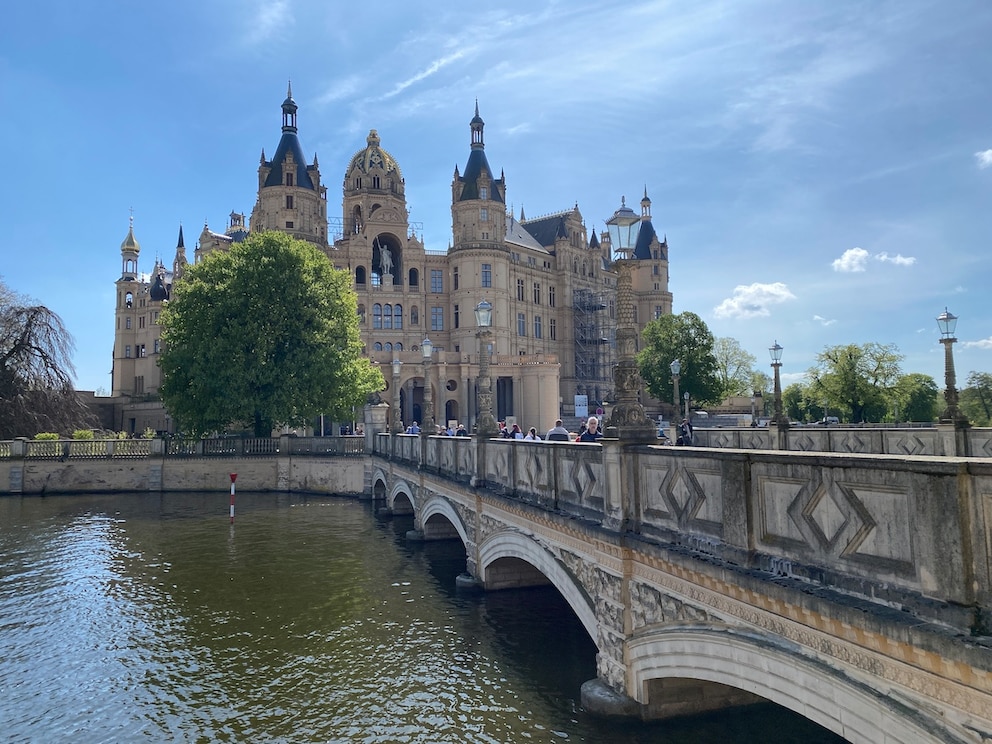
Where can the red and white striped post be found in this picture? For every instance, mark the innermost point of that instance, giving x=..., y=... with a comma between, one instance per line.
x=234, y=477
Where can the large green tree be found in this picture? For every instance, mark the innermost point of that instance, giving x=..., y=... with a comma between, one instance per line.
x=975, y=401
x=261, y=336
x=36, y=391
x=684, y=337
x=914, y=398
x=735, y=367
x=855, y=379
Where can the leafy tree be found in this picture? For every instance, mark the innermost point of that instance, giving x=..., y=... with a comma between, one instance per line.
x=975, y=401
x=796, y=402
x=36, y=391
x=734, y=367
x=855, y=379
x=684, y=337
x=914, y=398
x=263, y=335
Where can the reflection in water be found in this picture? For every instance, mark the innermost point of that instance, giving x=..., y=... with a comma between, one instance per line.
x=147, y=617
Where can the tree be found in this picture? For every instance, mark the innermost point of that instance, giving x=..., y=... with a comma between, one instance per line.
x=735, y=368
x=914, y=398
x=975, y=400
x=261, y=336
x=684, y=337
x=855, y=379
x=36, y=390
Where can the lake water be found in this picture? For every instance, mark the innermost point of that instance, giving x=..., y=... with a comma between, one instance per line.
x=149, y=618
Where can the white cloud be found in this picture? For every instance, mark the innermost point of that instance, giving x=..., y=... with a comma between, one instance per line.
x=268, y=21
x=823, y=321
x=898, y=259
x=984, y=159
x=431, y=69
x=985, y=343
x=753, y=300
x=854, y=259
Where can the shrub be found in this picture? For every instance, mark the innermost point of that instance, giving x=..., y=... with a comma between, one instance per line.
x=82, y=434
x=148, y=433
x=46, y=436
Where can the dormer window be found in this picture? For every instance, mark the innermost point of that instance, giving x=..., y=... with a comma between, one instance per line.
x=483, y=192
x=289, y=179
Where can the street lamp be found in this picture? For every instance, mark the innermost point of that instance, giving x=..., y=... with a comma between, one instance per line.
x=952, y=414
x=396, y=423
x=628, y=420
x=485, y=424
x=776, y=353
x=427, y=428
x=676, y=367
x=685, y=397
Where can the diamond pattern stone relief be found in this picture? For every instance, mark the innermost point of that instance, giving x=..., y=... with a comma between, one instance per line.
x=855, y=442
x=827, y=517
x=534, y=470
x=911, y=445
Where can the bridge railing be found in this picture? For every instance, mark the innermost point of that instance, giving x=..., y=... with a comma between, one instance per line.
x=907, y=533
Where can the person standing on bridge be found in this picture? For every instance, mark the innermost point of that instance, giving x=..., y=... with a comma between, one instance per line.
x=558, y=434
x=592, y=432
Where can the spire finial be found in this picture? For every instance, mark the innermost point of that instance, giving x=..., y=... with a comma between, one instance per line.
x=130, y=220
x=476, y=106
x=289, y=89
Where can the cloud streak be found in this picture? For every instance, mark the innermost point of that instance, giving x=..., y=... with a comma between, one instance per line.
x=984, y=159
x=753, y=300
x=985, y=343
x=855, y=260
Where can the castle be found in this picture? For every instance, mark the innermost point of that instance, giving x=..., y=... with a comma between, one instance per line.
x=552, y=288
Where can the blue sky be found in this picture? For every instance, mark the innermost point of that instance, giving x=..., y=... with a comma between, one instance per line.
x=823, y=170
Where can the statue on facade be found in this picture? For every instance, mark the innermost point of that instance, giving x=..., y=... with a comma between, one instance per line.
x=385, y=261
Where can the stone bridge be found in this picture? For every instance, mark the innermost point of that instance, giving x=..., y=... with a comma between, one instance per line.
x=852, y=589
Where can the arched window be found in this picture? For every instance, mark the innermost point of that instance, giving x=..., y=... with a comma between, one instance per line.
x=377, y=315
x=376, y=346
x=360, y=275
x=128, y=299
x=398, y=347
x=414, y=316
x=397, y=316
x=387, y=316
x=387, y=347
x=414, y=278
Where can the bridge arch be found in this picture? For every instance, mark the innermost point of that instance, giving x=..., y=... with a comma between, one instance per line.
x=773, y=670
x=513, y=544
x=438, y=507
x=401, y=499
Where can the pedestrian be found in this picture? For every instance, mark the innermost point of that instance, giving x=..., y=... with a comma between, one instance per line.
x=516, y=433
x=558, y=434
x=592, y=432
x=461, y=431
x=532, y=435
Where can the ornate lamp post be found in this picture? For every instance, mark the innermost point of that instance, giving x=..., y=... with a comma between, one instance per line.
x=396, y=421
x=427, y=425
x=485, y=424
x=782, y=422
x=952, y=414
x=628, y=421
x=676, y=367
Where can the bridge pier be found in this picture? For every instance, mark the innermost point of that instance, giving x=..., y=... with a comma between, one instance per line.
x=666, y=698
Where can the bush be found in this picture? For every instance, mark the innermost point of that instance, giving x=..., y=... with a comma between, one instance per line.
x=82, y=434
x=148, y=433
x=46, y=436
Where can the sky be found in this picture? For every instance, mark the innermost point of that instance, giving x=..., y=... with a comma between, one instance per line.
x=822, y=170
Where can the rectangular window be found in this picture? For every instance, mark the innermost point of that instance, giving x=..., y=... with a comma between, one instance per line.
x=437, y=281
x=657, y=312
x=454, y=278
x=521, y=324
x=289, y=201
x=437, y=318
x=139, y=385
x=141, y=350
x=483, y=192
x=483, y=215
x=141, y=321
x=551, y=296
x=553, y=329
x=537, y=326
x=487, y=275
x=537, y=293
x=520, y=289
x=127, y=323
x=158, y=346
x=289, y=179
x=127, y=351
x=456, y=317
x=289, y=224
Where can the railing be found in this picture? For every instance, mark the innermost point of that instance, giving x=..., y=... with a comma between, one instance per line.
x=92, y=449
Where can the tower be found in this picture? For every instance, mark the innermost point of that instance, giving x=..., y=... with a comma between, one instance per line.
x=291, y=198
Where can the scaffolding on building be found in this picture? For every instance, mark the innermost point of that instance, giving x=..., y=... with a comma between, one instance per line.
x=595, y=344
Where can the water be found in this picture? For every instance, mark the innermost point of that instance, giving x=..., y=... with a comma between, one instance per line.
x=147, y=618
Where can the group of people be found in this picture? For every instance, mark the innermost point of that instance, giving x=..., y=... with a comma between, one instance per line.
x=588, y=432
x=441, y=431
